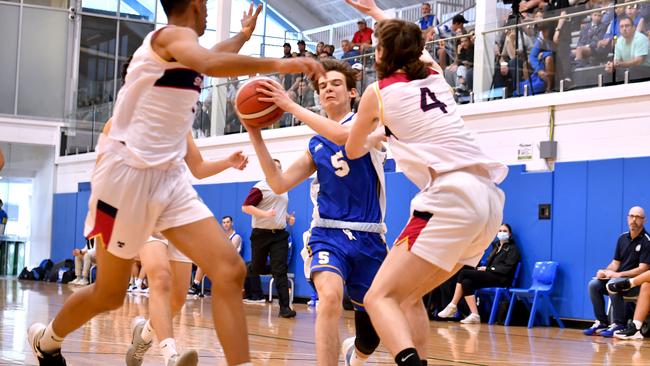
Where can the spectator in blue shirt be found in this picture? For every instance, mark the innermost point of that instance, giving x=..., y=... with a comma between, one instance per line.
x=541, y=56
x=3, y=219
x=349, y=53
x=428, y=21
x=588, y=51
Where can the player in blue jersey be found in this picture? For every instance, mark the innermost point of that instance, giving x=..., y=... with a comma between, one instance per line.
x=346, y=244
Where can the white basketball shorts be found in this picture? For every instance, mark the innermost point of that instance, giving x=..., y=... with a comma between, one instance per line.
x=128, y=204
x=173, y=253
x=454, y=219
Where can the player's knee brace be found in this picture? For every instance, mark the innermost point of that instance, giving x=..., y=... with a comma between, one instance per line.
x=367, y=339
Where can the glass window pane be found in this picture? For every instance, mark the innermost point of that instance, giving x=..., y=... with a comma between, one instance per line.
x=107, y=7
x=9, y=40
x=138, y=9
x=131, y=36
x=43, y=57
x=161, y=17
x=51, y=3
x=96, y=66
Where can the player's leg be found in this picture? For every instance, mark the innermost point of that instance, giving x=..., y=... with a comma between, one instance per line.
x=329, y=286
x=181, y=275
x=205, y=243
x=107, y=293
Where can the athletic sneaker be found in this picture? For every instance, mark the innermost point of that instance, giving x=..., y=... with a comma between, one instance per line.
x=187, y=358
x=34, y=335
x=595, y=329
x=138, y=346
x=286, y=312
x=255, y=301
x=82, y=282
x=74, y=282
x=195, y=289
x=472, y=319
x=347, y=350
x=619, y=286
x=448, y=312
x=609, y=332
x=631, y=332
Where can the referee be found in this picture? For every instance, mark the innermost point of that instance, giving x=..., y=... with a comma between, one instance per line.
x=269, y=237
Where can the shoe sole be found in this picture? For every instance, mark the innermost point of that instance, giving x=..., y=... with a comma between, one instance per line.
x=187, y=358
x=635, y=337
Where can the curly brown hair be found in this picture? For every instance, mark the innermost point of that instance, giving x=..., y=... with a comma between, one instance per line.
x=401, y=44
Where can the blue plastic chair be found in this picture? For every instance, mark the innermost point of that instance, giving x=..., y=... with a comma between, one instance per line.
x=495, y=294
x=543, y=279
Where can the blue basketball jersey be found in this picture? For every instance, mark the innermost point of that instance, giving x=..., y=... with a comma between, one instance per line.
x=349, y=189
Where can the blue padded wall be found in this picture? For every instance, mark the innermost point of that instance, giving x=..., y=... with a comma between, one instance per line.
x=589, y=202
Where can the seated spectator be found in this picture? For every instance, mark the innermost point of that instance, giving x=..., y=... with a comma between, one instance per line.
x=83, y=258
x=301, y=48
x=446, y=49
x=631, y=48
x=498, y=271
x=302, y=93
x=613, y=29
x=588, y=51
x=456, y=74
x=362, y=38
x=642, y=309
x=632, y=12
x=631, y=258
x=349, y=53
x=319, y=48
x=542, y=58
x=329, y=48
x=358, y=76
x=428, y=22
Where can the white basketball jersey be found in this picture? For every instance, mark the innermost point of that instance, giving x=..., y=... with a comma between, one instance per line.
x=425, y=130
x=154, y=109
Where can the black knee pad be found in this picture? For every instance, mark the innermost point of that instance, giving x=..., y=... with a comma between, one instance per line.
x=367, y=339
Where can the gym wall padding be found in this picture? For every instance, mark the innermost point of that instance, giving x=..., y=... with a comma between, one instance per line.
x=589, y=202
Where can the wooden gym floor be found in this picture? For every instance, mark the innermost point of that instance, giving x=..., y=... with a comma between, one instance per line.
x=276, y=341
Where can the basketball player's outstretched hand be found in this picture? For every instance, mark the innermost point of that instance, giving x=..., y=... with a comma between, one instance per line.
x=275, y=93
x=249, y=20
x=312, y=68
x=238, y=160
x=365, y=6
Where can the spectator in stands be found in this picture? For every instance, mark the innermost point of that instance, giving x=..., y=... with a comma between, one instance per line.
x=319, y=48
x=324, y=55
x=362, y=38
x=330, y=49
x=287, y=50
x=446, y=50
x=301, y=48
x=588, y=52
x=631, y=258
x=456, y=74
x=542, y=58
x=428, y=22
x=232, y=124
x=3, y=219
x=358, y=76
x=349, y=53
x=632, y=12
x=529, y=6
x=498, y=271
x=633, y=330
x=83, y=258
x=302, y=93
x=631, y=48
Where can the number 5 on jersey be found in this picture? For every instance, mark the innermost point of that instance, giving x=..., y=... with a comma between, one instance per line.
x=341, y=166
x=323, y=257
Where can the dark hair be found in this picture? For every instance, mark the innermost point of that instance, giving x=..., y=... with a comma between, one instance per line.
x=174, y=6
x=125, y=69
x=508, y=226
x=338, y=66
x=227, y=217
x=624, y=17
x=278, y=161
x=1, y=203
x=401, y=44
x=302, y=42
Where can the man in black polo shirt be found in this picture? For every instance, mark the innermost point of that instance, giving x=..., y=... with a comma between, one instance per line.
x=631, y=258
x=269, y=238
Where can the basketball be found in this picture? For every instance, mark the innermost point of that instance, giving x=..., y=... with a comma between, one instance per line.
x=252, y=111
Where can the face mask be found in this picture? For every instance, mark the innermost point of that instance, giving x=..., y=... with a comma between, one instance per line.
x=502, y=235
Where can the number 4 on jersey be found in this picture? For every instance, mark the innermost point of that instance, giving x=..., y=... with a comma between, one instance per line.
x=426, y=94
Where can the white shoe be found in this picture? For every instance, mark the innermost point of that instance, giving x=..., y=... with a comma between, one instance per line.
x=74, y=282
x=347, y=350
x=138, y=347
x=187, y=358
x=448, y=312
x=472, y=319
x=82, y=282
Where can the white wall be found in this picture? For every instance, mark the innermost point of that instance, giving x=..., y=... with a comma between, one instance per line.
x=590, y=124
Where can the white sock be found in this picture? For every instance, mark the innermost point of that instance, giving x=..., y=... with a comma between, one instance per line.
x=355, y=360
x=168, y=348
x=49, y=341
x=632, y=284
x=638, y=324
x=147, y=332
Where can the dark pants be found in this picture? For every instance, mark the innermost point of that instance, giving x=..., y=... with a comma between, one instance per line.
x=273, y=244
x=472, y=280
x=597, y=290
x=253, y=284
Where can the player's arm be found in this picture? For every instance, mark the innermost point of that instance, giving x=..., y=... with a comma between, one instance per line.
x=236, y=241
x=181, y=44
x=236, y=42
x=206, y=168
x=279, y=181
x=362, y=137
x=326, y=127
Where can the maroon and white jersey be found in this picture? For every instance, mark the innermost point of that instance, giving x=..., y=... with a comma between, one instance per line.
x=154, y=109
x=425, y=130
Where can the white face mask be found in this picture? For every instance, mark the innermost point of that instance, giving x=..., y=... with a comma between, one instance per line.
x=502, y=235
